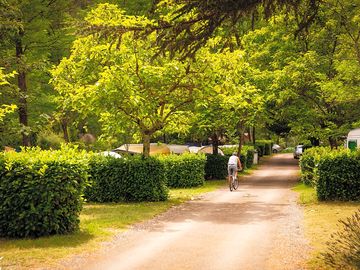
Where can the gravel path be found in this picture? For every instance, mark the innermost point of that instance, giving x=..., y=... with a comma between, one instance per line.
x=258, y=227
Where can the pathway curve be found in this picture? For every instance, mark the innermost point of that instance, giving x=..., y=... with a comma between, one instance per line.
x=258, y=227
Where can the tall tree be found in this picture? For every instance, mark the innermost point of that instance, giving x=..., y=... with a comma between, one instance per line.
x=122, y=82
x=33, y=36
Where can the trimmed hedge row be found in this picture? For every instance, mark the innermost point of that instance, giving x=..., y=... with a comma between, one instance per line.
x=186, y=170
x=40, y=192
x=339, y=177
x=216, y=165
x=309, y=163
x=126, y=179
x=335, y=174
x=264, y=147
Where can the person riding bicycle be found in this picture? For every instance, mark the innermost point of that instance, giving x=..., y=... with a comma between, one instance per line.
x=234, y=164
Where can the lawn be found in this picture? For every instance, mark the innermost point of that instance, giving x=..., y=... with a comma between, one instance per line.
x=98, y=223
x=321, y=219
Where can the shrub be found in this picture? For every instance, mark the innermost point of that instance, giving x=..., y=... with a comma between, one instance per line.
x=249, y=150
x=229, y=150
x=186, y=170
x=40, y=192
x=309, y=163
x=339, y=176
x=216, y=166
x=344, y=247
x=261, y=149
x=265, y=147
x=126, y=179
x=48, y=139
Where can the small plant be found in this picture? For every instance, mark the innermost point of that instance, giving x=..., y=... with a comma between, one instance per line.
x=344, y=247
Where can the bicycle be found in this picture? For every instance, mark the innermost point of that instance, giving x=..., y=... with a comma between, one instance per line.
x=233, y=180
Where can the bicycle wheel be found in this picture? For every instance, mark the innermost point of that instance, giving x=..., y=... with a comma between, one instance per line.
x=230, y=182
x=235, y=183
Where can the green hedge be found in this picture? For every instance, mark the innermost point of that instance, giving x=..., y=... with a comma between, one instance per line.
x=248, y=150
x=339, y=176
x=216, y=166
x=126, y=179
x=309, y=163
x=246, y=156
x=40, y=192
x=264, y=147
x=186, y=170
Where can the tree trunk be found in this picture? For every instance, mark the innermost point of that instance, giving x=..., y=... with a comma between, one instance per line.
x=241, y=130
x=146, y=145
x=21, y=78
x=215, y=143
x=64, y=127
x=333, y=142
x=253, y=135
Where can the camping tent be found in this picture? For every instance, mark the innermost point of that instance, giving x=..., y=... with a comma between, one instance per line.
x=132, y=149
x=208, y=149
x=194, y=149
x=178, y=149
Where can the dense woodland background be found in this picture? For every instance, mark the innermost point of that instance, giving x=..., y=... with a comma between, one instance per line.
x=185, y=72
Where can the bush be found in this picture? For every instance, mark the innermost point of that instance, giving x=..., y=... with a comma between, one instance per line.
x=126, y=179
x=339, y=176
x=40, y=192
x=309, y=163
x=48, y=139
x=229, y=150
x=344, y=247
x=216, y=166
x=265, y=147
x=249, y=150
x=186, y=170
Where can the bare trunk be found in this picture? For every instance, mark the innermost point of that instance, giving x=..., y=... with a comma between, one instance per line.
x=333, y=142
x=215, y=143
x=64, y=127
x=146, y=145
x=241, y=130
x=253, y=136
x=21, y=78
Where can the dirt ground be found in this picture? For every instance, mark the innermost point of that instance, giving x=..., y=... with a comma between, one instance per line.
x=258, y=227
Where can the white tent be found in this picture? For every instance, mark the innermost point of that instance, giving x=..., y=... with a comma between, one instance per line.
x=178, y=149
x=353, y=139
x=155, y=149
x=194, y=149
x=208, y=149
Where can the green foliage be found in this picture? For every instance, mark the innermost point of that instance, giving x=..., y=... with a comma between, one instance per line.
x=246, y=156
x=126, y=179
x=229, y=150
x=344, y=247
x=265, y=147
x=40, y=192
x=186, y=170
x=249, y=150
x=48, y=139
x=339, y=176
x=309, y=163
x=119, y=80
x=216, y=166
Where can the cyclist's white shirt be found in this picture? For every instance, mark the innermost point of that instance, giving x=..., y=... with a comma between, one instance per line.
x=233, y=160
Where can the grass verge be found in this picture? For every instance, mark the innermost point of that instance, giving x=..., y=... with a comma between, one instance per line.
x=321, y=219
x=98, y=223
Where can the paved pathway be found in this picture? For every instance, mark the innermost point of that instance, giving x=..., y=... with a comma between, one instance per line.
x=257, y=227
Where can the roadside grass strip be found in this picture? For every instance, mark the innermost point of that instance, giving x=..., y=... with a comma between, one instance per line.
x=98, y=223
x=321, y=219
